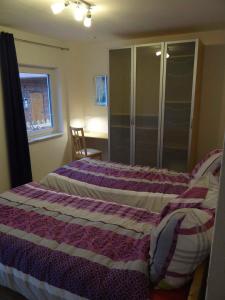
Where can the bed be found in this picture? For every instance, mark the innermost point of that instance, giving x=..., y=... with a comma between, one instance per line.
x=56, y=246
x=138, y=186
x=67, y=245
x=143, y=187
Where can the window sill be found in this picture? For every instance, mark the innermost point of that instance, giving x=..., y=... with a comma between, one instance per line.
x=32, y=140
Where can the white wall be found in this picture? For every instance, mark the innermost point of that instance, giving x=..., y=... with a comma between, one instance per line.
x=49, y=154
x=90, y=59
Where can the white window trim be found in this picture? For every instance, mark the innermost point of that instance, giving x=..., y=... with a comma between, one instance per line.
x=44, y=137
x=56, y=103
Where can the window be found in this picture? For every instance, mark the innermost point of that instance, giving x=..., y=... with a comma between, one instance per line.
x=40, y=102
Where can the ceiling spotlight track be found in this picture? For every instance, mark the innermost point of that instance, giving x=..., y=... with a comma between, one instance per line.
x=89, y=5
x=82, y=10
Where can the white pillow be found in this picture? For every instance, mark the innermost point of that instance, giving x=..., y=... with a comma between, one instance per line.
x=180, y=242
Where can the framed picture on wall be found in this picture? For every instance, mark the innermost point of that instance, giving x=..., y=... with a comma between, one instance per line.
x=101, y=85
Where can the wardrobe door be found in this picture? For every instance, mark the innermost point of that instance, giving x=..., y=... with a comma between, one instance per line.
x=147, y=109
x=179, y=73
x=120, y=98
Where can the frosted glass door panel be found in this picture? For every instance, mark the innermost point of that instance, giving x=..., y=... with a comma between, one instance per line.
x=178, y=99
x=148, y=61
x=120, y=94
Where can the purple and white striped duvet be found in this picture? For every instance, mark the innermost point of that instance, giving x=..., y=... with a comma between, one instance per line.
x=58, y=246
x=136, y=186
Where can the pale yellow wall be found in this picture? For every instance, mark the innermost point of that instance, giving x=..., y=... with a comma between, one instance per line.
x=83, y=65
x=4, y=173
x=76, y=85
x=92, y=59
x=212, y=114
x=49, y=154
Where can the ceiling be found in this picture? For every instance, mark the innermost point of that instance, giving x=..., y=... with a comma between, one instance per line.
x=115, y=18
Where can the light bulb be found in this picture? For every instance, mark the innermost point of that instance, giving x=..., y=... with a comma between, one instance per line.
x=57, y=7
x=87, y=20
x=158, y=53
x=79, y=13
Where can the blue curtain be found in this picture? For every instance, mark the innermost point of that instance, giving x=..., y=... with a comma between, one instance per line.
x=17, y=142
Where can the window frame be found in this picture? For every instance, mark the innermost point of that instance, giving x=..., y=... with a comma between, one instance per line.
x=57, y=128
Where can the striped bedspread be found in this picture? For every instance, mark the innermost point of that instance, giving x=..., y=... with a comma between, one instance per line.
x=136, y=186
x=58, y=246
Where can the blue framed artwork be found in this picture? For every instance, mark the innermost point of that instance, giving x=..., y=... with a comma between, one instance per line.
x=101, y=83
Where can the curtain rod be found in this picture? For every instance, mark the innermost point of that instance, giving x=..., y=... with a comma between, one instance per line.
x=42, y=44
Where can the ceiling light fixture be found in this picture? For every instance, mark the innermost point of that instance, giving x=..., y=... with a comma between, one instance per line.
x=82, y=7
x=79, y=12
x=87, y=20
x=57, y=7
x=158, y=53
